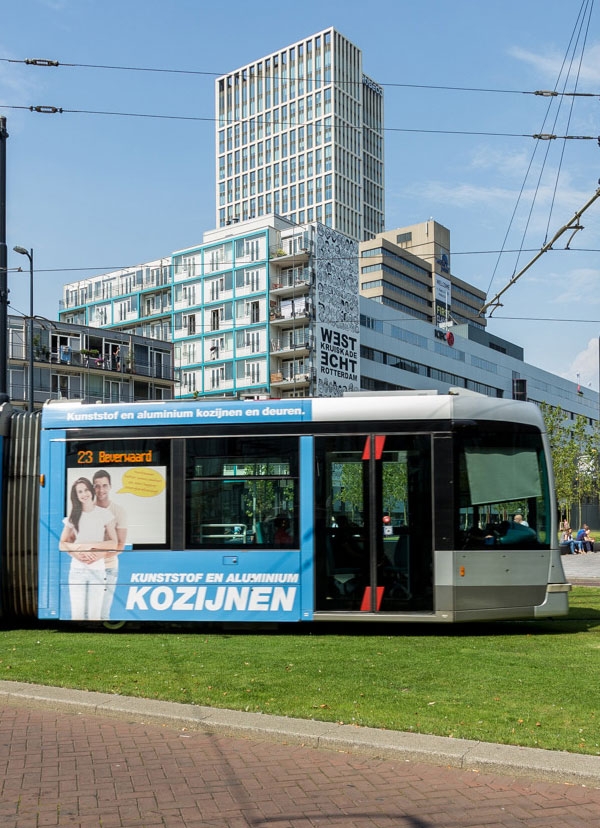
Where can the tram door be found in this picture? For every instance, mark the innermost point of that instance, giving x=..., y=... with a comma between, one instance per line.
x=373, y=523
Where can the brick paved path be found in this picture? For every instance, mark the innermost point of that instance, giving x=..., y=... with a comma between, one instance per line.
x=61, y=769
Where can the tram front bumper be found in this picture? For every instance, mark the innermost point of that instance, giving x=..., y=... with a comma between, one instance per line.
x=556, y=603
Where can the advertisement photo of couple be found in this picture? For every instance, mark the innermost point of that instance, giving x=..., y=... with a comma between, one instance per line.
x=93, y=535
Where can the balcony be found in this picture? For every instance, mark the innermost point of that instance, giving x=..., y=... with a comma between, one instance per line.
x=150, y=312
x=219, y=384
x=278, y=319
x=215, y=353
x=281, y=256
x=298, y=349
x=278, y=380
x=290, y=287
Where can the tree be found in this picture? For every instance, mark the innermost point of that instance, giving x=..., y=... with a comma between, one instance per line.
x=574, y=458
x=395, y=487
x=266, y=491
x=351, y=487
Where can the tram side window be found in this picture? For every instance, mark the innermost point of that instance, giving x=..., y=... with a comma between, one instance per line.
x=242, y=491
x=502, y=476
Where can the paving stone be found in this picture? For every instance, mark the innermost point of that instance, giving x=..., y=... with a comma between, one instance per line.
x=80, y=769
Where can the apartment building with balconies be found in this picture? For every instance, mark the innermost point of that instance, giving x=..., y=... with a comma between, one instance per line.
x=259, y=308
x=74, y=361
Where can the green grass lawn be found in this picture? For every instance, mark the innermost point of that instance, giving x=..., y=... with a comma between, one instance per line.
x=520, y=683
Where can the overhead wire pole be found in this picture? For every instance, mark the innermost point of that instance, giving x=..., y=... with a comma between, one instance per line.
x=573, y=225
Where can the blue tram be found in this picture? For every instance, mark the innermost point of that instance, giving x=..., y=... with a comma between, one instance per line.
x=395, y=507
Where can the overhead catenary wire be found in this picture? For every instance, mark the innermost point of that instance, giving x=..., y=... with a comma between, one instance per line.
x=572, y=224
x=55, y=110
x=539, y=137
x=114, y=268
x=49, y=63
x=580, y=31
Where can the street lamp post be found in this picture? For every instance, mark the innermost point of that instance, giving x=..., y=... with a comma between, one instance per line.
x=3, y=268
x=29, y=253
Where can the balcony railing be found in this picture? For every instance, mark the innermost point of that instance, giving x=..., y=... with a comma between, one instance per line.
x=278, y=378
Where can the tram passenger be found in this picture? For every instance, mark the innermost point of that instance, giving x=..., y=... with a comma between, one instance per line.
x=512, y=534
x=88, y=534
x=282, y=535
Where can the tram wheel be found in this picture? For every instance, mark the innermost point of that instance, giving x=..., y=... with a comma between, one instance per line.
x=113, y=625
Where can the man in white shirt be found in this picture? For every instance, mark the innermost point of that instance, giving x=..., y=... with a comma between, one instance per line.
x=102, y=486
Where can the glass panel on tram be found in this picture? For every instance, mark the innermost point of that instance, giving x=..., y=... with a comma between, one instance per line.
x=405, y=562
x=503, y=491
x=242, y=491
x=341, y=522
x=373, y=527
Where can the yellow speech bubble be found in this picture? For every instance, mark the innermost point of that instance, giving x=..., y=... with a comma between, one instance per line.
x=142, y=482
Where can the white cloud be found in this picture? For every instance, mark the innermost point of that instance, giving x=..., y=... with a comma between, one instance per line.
x=16, y=86
x=56, y=5
x=463, y=195
x=565, y=284
x=552, y=65
x=507, y=163
x=585, y=365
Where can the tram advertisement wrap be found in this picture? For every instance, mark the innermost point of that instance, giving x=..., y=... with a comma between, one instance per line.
x=251, y=586
x=108, y=508
x=158, y=586
x=115, y=514
x=179, y=412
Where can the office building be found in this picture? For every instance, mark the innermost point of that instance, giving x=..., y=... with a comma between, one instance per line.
x=400, y=352
x=299, y=133
x=408, y=269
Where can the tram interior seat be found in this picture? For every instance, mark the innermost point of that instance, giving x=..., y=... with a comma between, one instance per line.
x=344, y=578
x=265, y=532
x=396, y=566
x=474, y=537
x=223, y=532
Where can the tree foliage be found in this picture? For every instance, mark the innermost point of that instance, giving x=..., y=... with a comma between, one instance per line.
x=574, y=450
x=395, y=483
x=351, y=488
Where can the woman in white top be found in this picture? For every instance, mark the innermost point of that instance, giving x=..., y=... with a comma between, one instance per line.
x=88, y=534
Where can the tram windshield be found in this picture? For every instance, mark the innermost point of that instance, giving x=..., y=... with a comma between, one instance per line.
x=503, y=496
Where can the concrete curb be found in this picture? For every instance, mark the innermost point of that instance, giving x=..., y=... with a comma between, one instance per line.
x=547, y=765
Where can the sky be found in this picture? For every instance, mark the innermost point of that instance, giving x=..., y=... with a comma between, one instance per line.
x=91, y=192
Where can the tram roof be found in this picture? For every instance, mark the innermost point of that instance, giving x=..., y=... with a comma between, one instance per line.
x=458, y=404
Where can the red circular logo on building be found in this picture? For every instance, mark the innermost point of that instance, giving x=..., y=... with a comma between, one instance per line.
x=450, y=338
